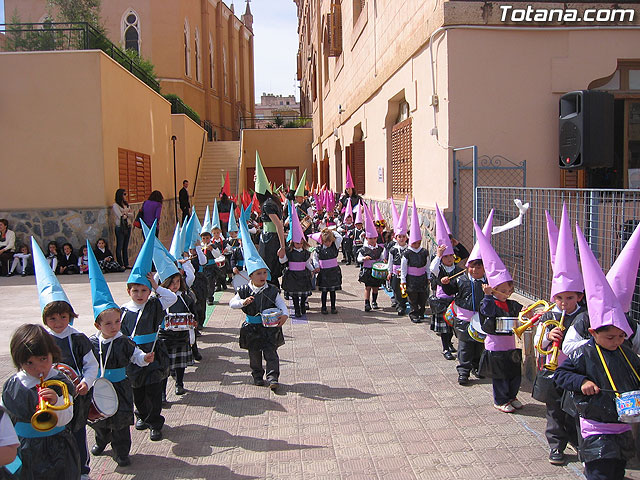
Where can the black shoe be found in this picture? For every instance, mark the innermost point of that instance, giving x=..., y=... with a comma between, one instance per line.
x=141, y=425
x=297, y=314
x=463, y=380
x=155, y=435
x=452, y=349
x=416, y=319
x=334, y=311
x=210, y=301
x=123, y=461
x=306, y=307
x=258, y=382
x=349, y=263
x=402, y=313
x=367, y=307
x=394, y=304
x=164, y=399
x=97, y=450
x=324, y=311
x=476, y=374
x=24, y=274
x=375, y=306
x=273, y=385
x=180, y=390
x=196, y=353
x=448, y=355
x=556, y=457
x=10, y=274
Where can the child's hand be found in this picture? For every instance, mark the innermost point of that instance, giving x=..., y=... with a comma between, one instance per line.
x=49, y=395
x=589, y=388
x=440, y=250
x=152, y=279
x=389, y=276
x=82, y=388
x=316, y=270
x=555, y=335
x=487, y=289
x=282, y=319
x=367, y=258
x=528, y=314
x=247, y=300
x=150, y=357
x=236, y=271
x=445, y=280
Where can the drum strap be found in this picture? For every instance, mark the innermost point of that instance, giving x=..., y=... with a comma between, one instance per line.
x=606, y=369
x=102, y=364
x=78, y=369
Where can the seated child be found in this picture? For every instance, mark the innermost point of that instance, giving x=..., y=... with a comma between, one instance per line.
x=105, y=257
x=68, y=262
x=20, y=262
x=83, y=260
x=52, y=256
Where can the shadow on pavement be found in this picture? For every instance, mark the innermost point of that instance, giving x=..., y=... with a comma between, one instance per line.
x=231, y=405
x=318, y=391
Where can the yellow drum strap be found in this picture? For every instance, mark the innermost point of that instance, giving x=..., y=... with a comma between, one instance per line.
x=606, y=369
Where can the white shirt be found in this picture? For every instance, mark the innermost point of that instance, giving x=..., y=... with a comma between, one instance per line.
x=89, y=363
x=166, y=297
x=237, y=302
x=138, y=355
x=404, y=264
x=7, y=432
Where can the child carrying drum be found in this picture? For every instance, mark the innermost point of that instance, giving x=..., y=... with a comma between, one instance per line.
x=329, y=278
x=413, y=270
x=368, y=255
x=255, y=300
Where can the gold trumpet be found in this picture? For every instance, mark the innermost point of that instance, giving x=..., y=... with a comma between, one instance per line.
x=403, y=290
x=45, y=418
x=527, y=324
x=552, y=364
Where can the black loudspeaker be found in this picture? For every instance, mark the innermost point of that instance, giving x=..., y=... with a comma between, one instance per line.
x=586, y=129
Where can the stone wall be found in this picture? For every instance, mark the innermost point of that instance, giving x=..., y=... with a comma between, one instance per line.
x=427, y=220
x=77, y=225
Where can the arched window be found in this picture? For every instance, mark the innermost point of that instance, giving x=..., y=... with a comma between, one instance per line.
x=212, y=70
x=198, y=55
x=131, y=31
x=187, y=50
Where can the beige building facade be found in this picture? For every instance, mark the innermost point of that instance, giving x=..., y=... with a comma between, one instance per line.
x=201, y=51
x=394, y=87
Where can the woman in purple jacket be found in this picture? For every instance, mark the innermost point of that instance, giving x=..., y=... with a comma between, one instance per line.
x=152, y=209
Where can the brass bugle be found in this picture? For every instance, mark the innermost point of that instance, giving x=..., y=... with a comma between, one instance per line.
x=527, y=324
x=552, y=364
x=45, y=417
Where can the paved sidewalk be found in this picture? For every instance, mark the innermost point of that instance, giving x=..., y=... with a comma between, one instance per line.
x=363, y=396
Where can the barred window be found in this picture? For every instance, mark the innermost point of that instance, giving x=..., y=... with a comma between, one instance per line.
x=401, y=164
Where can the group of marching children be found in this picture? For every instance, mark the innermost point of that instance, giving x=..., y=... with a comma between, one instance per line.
x=123, y=367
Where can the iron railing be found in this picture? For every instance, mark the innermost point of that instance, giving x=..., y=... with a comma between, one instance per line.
x=277, y=121
x=51, y=36
x=606, y=217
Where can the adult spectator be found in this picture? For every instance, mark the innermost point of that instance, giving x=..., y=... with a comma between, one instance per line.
x=183, y=196
x=152, y=210
x=7, y=246
x=123, y=219
x=350, y=193
x=225, y=205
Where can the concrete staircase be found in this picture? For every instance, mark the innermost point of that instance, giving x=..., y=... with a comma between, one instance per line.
x=218, y=159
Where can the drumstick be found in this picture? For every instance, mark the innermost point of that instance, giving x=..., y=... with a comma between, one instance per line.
x=154, y=342
x=457, y=274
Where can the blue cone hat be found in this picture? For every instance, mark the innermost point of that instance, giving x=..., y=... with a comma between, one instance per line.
x=49, y=288
x=177, y=245
x=206, y=226
x=165, y=262
x=233, y=226
x=215, y=217
x=252, y=259
x=100, y=294
x=144, y=260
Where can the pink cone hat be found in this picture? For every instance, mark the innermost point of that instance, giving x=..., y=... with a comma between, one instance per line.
x=486, y=229
x=331, y=200
x=297, y=235
x=369, y=227
x=416, y=234
x=358, y=213
x=623, y=273
x=494, y=269
x=348, y=210
x=401, y=229
x=567, y=276
x=317, y=237
x=394, y=214
x=442, y=237
x=349, y=183
x=603, y=305
x=552, y=234
x=379, y=216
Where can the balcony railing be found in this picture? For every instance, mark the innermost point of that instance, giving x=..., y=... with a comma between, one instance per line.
x=278, y=121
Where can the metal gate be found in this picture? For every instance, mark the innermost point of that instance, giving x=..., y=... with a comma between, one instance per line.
x=471, y=171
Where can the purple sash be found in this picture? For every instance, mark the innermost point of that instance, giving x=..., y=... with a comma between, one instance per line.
x=416, y=271
x=499, y=343
x=440, y=293
x=368, y=263
x=329, y=263
x=591, y=427
x=297, y=266
x=395, y=269
x=464, y=314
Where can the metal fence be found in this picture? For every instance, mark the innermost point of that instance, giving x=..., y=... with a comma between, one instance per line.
x=606, y=217
x=51, y=36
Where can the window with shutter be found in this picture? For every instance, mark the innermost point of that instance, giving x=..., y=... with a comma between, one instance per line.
x=134, y=173
x=335, y=30
x=401, y=164
x=357, y=166
x=573, y=178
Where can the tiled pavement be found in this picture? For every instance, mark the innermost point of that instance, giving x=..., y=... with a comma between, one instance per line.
x=363, y=396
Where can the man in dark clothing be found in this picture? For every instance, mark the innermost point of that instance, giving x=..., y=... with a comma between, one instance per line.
x=183, y=196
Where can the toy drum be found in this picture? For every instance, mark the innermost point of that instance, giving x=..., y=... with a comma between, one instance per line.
x=506, y=324
x=450, y=315
x=628, y=405
x=220, y=261
x=180, y=321
x=475, y=330
x=239, y=280
x=68, y=372
x=379, y=271
x=104, y=402
x=271, y=317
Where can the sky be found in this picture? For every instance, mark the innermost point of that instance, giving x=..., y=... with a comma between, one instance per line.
x=275, y=24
